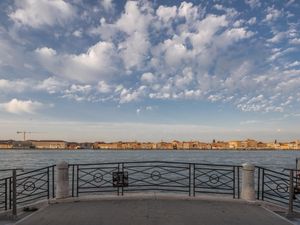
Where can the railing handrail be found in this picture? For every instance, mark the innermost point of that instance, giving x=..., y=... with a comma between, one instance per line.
x=153, y=161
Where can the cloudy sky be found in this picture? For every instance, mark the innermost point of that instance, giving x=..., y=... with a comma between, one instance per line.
x=150, y=70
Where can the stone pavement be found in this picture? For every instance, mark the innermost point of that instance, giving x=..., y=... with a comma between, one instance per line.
x=160, y=211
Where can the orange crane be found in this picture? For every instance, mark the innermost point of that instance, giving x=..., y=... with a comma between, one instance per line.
x=24, y=133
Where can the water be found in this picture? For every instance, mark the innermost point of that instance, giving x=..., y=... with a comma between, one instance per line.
x=31, y=159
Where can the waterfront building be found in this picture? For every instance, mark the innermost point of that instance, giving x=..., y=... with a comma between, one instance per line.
x=164, y=145
x=49, y=144
x=97, y=145
x=218, y=145
x=6, y=144
x=147, y=145
x=261, y=145
x=235, y=144
x=86, y=145
x=177, y=144
x=22, y=145
x=251, y=144
x=186, y=145
x=73, y=145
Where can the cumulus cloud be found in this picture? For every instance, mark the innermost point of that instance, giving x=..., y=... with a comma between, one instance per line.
x=107, y=4
x=86, y=67
x=148, y=77
x=253, y=3
x=13, y=85
x=272, y=14
x=16, y=106
x=36, y=14
x=277, y=37
x=166, y=13
x=182, y=51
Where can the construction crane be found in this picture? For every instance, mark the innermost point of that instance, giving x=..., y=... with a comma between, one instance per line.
x=24, y=133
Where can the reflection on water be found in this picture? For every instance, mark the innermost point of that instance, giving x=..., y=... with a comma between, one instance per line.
x=30, y=159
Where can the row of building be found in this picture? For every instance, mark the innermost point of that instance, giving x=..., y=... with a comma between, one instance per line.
x=184, y=145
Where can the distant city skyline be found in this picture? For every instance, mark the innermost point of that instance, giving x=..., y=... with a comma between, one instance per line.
x=150, y=70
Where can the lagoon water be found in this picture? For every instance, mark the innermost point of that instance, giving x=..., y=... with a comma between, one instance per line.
x=31, y=159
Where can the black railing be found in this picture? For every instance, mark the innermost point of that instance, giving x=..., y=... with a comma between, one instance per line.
x=27, y=187
x=157, y=176
x=35, y=185
x=217, y=179
x=193, y=179
x=282, y=188
x=93, y=178
x=4, y=193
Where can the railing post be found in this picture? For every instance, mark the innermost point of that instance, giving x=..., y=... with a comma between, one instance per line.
x=291, y=194
x=14, y=193
x=6, y=194
x=248, y=190
x=62, y=182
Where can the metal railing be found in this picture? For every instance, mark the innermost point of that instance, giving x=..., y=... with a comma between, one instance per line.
x=4, y=193
x=27, y=187
x=217, y=179
x=282, y=188
x=119, y=178
x=155, y=176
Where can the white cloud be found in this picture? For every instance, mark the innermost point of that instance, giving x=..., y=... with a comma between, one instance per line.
x=191, y=54
x=206, y=29
x=252, y=21
x=166, y=13
x=272, y=14
x=134, y=50
x=294, y=64
x=52, y=85
x=107, y=4
x=295, y=41
x=148, y=77
x=36, y=14
x=253, y=3
x=133, y=19
x=138, y=111
x=16, y=106
x=13, y=85
x=46, y=52
x=77, y=33
x=277, y=37
x=128, y=95
x=187, y=10
x=103, y=87
x=86, y=67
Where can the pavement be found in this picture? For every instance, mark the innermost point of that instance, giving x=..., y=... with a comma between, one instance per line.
x=153, y=211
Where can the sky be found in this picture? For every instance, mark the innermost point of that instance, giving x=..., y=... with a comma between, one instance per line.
x=107, y=70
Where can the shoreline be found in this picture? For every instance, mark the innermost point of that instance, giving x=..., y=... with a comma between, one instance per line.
x=82, y=149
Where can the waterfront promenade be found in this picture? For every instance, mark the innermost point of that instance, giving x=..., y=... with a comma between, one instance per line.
x=153, y=210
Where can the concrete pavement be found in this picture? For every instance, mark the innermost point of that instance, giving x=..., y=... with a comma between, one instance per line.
x=153, y=212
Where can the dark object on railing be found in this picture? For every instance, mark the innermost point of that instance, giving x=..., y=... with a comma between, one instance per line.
x=120, y=179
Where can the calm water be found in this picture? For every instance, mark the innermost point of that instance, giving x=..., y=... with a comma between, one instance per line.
x=30, y=159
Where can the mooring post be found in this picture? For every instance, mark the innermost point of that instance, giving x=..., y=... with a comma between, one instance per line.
x=248, y=190
x=62, y=181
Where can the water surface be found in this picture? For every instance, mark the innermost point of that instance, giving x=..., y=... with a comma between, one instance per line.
x=31, y=159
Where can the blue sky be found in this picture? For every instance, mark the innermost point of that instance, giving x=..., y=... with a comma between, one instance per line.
x=150, y=70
